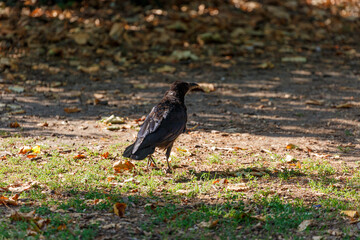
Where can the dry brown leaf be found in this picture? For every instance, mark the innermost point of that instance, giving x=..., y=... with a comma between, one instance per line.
x=265, y=65
x=19, y=188
x=239, y=187
x=345, y=105
x=18, y=216
x=79, y=156
x=7, y=201
x=90, y=70
x=116, y=31
x=290, y=146
x=304, y=224
x=72, y=110
x=315, y=102
x=25, y=150
x=119, y=166
x=207, y=87
x=14, y=125
x=61, y=227
x=15, y=197
x=350, y=213
x=165, y=69
x=209, y=224
x=119, y=209
x=105, y=155
x=81, y=38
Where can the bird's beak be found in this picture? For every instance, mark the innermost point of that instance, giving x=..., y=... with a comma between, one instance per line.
x=194, y=87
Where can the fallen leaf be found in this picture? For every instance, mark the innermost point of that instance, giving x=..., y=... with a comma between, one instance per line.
x=304, y=224
x=18, y=216
x=290, y=146
x=17, y=89
x=119, y=209
x=72, y=110
x=294, y=59
x=265, y=65
x=183, y=55
x=114, y=120
x=110, y=178
x=315, y=102
x=14, y=125
x=178, y=26
x=79, y=156
x=90, y=70
x=31, y=156
x=207, y=87
x=210, y=224
x=15, y=197
x=19, y=188
x=36, y=149
x=61, y=227
x=350, y=213
x=239, y=187
x=113, y=128
x=25, y=150
x=290, y=159
x=119, y=166
x=81, y=38
x=7, y=201
x=105, y=155
x=165, y=69
x=116, y=31
x=210, y=37
x=345, y=105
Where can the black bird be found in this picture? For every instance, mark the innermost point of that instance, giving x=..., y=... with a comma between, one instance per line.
x=166, y=121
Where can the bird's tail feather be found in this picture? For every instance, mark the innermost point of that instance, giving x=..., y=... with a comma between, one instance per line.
x=140, y=154
x=128, y=151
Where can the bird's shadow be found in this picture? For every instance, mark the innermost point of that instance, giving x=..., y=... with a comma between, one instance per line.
x=246, y=173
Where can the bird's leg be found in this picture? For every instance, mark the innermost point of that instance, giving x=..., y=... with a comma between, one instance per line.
x=168, y=151
x=150, y=159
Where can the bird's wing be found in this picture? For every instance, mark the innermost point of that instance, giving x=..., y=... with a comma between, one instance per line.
x=163, y=124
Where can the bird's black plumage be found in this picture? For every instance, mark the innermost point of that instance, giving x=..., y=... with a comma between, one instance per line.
x=166, y=121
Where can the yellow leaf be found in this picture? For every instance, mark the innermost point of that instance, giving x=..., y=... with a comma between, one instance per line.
x=36, y=149
x=119, y=209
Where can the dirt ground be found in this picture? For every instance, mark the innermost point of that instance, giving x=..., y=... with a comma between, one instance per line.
x=251, y=108
x=256, y=111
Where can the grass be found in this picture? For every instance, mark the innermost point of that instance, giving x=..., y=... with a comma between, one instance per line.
x=77, y=195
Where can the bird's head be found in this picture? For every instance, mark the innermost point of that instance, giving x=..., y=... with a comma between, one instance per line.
x=184, y=87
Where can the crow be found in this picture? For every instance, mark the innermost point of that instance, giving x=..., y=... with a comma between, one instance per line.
x=166, y=121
